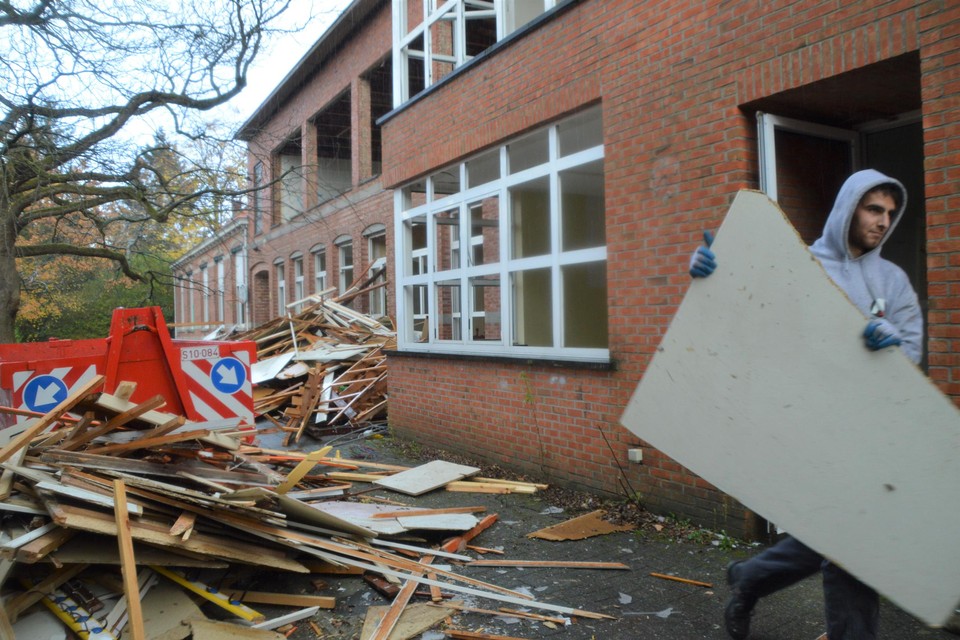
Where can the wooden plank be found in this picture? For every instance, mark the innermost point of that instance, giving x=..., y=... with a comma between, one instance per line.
x=50, y=417
x=95, y=522
x=128, y=563
x=85, y=496
x=44, y=545
x=426, y=477
x=6, y=479
x=283, y=599
x=301, y=469
x=213, y=630
x=115, y=422
x=565, y=564
x=89, y=548
x=427, y=512
x=119, y=405
x=183, y=524
x=415, y=620
x=146, y=443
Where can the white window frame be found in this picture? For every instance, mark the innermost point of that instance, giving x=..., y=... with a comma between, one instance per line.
x=221, y=286
x=319, y=270
x=410, y=284
x=377, y=299
x=767, y=127
x=299, y=288
x=457, y=12
x=344, y=270
x=279, y=270
x=191, y=299
x=240, y=283
x=205, y=294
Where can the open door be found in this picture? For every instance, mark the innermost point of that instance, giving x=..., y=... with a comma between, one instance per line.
x=803, y=164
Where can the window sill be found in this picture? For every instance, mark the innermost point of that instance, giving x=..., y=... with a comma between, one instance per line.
x=518, y=360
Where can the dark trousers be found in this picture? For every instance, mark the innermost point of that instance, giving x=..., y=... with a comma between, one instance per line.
x=852, y=608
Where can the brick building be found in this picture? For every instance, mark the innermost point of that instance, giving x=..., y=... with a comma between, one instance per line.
x=542, y=170
x=322, y=219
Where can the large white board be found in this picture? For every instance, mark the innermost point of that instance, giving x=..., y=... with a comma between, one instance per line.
x=763, y=387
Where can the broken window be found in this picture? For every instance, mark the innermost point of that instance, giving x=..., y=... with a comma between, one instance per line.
x=334, y=149
x=435, y=38
x=291, y=169
x=510, y=262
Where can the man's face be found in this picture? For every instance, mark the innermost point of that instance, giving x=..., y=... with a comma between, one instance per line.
x=870, y=222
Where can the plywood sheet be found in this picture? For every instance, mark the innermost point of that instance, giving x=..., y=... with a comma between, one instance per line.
x=580, y=528
x=426, y=477
x=763, y=387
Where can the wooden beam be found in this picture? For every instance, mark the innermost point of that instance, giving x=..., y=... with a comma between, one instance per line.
x=128, y=563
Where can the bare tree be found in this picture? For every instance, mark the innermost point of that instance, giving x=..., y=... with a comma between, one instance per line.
x=81, y=81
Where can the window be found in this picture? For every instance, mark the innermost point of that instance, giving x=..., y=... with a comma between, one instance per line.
x=506, y=253
x=377, y=253
x=240, y=279
x=319, y=270
x=433, y=38
x=291, y=186
x=299, y=289
x=191, y=308
x=280, y=272
x=345, y=258
x=258, y=198
x=205, y=292
x=221, y=285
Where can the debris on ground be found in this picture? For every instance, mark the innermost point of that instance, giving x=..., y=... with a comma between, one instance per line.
x=113, y=511
x=322, y=368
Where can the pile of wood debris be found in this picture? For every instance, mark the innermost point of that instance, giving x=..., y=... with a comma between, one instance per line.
x=322, y=368
x=112, y=510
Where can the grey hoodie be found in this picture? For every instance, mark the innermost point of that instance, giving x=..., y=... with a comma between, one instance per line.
x=870, y=278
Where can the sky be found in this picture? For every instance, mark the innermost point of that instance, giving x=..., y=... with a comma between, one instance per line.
x=281, y=54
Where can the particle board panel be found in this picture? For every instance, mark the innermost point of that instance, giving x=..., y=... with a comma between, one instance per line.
x=426, y=477
x=441, y=522
x=763, y=387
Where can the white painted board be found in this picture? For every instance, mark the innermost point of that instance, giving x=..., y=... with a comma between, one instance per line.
x=763, y=387
x=426, y=477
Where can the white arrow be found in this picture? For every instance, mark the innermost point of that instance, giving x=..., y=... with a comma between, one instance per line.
x=46, y=395
x=228, y=375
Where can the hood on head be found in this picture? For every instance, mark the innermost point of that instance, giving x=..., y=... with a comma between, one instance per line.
x=836, y=231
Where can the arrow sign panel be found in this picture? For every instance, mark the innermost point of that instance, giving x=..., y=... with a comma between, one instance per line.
x=228, y=375
x=43, y=393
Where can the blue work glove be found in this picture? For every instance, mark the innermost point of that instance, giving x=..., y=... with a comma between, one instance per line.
x=703, y=262
x=880, y=334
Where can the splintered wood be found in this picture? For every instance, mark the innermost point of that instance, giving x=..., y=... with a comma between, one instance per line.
x=114, y=504
x=322, y=368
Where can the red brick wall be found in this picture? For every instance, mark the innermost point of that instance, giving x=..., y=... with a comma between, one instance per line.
x=671, y=77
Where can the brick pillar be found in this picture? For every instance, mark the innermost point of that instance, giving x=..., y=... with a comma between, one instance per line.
x=360, y=130
x=939, y=42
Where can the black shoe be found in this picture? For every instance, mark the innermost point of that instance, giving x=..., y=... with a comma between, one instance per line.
x=736, y=616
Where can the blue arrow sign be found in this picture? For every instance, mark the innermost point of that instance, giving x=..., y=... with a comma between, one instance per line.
x=228, y=375
x=43, y=393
